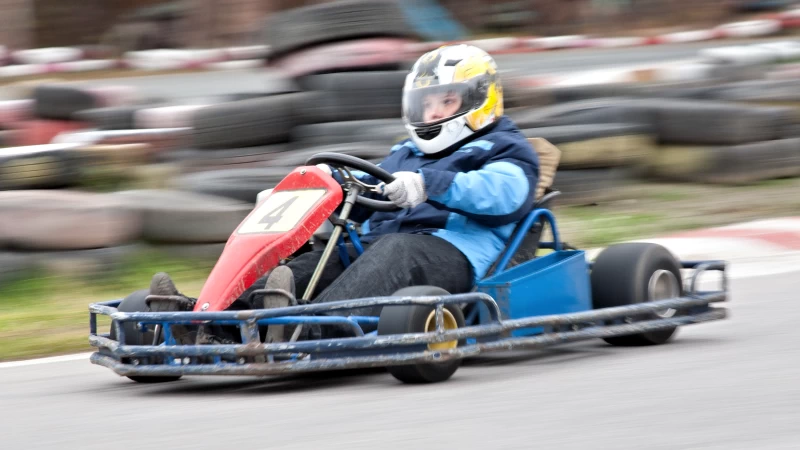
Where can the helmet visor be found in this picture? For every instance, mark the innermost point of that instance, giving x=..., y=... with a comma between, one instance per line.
x=432, y=105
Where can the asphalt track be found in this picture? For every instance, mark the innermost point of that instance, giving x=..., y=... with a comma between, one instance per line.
x=187, y=86
x=723, y=385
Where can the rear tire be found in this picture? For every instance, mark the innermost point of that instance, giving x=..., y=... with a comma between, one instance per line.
x=632, y=273
x=415, y=319
x=135, y=303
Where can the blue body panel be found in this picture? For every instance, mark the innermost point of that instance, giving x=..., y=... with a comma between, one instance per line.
x=557, y=283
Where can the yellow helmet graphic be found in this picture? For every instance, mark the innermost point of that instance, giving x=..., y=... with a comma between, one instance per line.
x=451, y=93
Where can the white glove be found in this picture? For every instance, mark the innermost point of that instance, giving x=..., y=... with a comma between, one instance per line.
x=407, y=190
x=325, y=168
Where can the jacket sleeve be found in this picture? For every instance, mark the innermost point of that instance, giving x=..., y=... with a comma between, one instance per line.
x=500, y=192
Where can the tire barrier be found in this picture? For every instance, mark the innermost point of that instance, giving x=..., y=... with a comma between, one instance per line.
x=598, y=146
x=170, y=216
x=299, y=28
x=351, y=96
x=729, y=165
x=64, y=220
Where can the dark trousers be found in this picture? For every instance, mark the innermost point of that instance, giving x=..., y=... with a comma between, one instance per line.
x=390, y=263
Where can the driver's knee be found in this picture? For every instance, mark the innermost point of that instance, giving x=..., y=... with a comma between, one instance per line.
x=392, y=244
x=406, y=250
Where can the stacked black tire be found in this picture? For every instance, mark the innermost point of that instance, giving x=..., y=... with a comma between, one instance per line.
x=306, y=27
x=724, y=142
x=243, y=147
x=601, y=142
x=92, y=234
x=733, y=134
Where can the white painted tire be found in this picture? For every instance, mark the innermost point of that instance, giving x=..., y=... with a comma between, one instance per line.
x=555, y=42
x=595, y=77
x=688, y=36
x=50, y=55
x=154, y=60
x=783, y=51
x=153, y=65
x=176, y=116
x=684, y=72
x=739, y=55
x=240, y=64
x=204, y=56
x=750, y=28
x=89, y=65
x=170, y=59
x=618, y=42
x=23, y=70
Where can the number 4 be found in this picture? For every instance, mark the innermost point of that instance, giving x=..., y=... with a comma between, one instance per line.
x=275, y=216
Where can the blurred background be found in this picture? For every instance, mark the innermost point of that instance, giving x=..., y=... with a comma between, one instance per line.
x=135, y=135
x=143, y=24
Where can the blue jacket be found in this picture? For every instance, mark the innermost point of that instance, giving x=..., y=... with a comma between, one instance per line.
x=476, y=193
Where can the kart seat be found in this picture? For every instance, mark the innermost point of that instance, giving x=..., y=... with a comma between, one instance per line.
x=549, y=157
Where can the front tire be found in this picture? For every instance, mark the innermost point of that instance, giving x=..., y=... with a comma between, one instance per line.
x=632, y=273
x=135, y=303
x=417, y=319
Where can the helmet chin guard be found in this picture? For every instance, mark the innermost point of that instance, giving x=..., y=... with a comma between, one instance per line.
x=433, y=139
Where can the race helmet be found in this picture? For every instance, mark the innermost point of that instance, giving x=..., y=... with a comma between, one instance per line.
x=451, y=93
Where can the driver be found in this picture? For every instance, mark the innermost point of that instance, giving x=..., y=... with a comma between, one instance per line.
x=465, y=177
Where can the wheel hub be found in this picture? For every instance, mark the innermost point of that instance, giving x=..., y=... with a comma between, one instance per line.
x=663, y=285
x=450, y=323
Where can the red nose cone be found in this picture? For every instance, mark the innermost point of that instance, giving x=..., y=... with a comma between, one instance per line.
x=279, y=226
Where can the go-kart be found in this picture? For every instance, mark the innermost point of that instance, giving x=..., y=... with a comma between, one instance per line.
x=536, y=294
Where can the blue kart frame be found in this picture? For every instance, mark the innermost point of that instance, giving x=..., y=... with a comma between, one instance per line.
x=540, y=302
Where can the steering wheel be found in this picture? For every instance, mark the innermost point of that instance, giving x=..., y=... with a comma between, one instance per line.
x=343, y=163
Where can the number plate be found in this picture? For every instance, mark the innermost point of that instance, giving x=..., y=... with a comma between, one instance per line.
x=281, y=211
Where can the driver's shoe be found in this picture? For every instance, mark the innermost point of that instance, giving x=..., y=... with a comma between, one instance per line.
x=162, y=285
x=281, y=278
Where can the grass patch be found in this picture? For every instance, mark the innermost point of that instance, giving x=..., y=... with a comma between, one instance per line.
x=777, y=183
x=600, y=227
x=43, y=314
